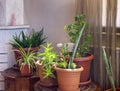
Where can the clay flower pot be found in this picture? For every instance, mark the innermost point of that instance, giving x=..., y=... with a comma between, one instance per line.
x=85, y=62
x=17, y=54
x=117, y=89
x=25, y=71
x=48, y=82
x=68, y=79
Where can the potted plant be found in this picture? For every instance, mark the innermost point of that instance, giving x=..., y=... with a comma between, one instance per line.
x=82, y=56
x=47, y=59
x=109, y=71
x=68, y=73
x=26, y=61
x=31, y=41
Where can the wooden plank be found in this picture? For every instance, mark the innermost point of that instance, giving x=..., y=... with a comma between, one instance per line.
x=3, y=38
x=3, y=47
x=1, y=77
x=3, y=57
x=2, y=86
x=3, y=66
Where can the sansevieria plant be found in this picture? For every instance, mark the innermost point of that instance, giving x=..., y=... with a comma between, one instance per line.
x=68, y=74
x=109, y=69
x=70, y=64
x=81, y=40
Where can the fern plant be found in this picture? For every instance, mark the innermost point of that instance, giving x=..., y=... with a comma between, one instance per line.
x=33, y=39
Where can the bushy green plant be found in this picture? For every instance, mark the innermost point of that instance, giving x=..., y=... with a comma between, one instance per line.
x=63, y=50
x=33, y=39
x=48, y=58
x=76, y=31
x=73, y=31
x=70, y=64
x=64, y=55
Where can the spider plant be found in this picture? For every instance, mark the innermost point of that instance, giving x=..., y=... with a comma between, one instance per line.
x=28, y=57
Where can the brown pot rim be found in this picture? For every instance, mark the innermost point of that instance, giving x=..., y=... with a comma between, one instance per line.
x=111, y=89
x=68, y=70
x=32, y=48
x=85, y=83
x=88, y=58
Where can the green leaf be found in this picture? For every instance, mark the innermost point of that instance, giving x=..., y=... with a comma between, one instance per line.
x=48, y=58
x=33, y=39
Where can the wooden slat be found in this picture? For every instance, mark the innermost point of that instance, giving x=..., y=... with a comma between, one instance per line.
x=1, y=77
x=3, y=47
x=2, y=86
x=3, y=58
x=3, y=66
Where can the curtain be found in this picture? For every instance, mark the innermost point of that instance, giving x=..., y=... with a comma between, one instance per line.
x=104, y=34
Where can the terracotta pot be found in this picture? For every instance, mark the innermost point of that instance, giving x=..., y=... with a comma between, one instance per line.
x=17, y=54
x=49, y=82
x=68, y=79
x=117, y=89
x=85, y=62
x=25, y=71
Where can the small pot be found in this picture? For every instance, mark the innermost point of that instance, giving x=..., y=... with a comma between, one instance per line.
x=68, y=79
x=117, y=89
x=25, y=70
x=48, y=82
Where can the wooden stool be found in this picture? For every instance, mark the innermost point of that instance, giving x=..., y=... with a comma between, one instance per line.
x=15, y=82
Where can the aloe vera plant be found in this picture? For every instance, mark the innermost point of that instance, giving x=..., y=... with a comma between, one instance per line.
x=109, y=69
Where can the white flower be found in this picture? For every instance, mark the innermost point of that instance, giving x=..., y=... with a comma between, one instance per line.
x=59, y=45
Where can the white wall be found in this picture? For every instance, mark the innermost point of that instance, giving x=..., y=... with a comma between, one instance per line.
x=14, y=9
x=52, y=15
x=11, y=12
